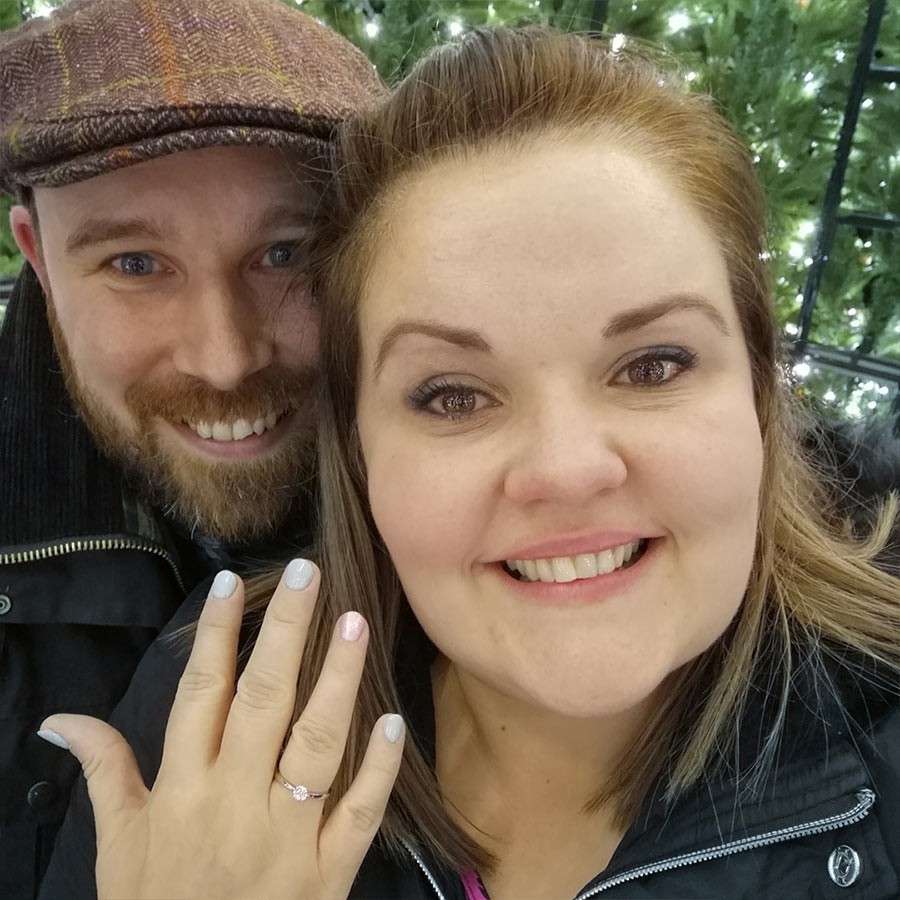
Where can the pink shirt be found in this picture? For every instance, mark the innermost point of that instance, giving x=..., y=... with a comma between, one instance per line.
x=473, y=886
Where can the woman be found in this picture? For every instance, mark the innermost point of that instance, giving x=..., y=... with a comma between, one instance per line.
x=560, y=480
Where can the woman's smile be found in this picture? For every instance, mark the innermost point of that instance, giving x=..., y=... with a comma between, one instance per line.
x=584, y=578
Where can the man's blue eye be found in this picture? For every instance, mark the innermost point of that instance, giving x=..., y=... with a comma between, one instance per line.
x=134, y=264
x=280, y=256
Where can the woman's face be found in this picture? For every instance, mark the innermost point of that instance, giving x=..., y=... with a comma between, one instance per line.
x=553, y=370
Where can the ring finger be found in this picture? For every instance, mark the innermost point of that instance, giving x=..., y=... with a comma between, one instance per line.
x=316, y=745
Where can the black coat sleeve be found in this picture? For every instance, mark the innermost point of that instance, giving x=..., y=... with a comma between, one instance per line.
x=141, y=717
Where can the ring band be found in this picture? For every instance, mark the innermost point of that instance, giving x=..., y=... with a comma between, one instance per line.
x=300, y=792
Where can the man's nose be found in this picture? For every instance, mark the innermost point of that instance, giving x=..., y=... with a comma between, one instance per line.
x=567, y=453
x=222, y=338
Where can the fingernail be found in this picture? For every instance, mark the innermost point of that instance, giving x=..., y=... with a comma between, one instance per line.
x=298, y=574
x=223, y=585
x=393, y=727
x=53, y=738
x=351, y=626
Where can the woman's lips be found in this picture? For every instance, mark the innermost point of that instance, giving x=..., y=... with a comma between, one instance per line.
x=583, y=590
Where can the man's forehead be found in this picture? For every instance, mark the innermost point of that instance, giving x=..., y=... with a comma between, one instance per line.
x=245, y=191
x=94, y=230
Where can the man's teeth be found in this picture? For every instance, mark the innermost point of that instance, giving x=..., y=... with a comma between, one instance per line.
x=571, y=568
x=234, y=431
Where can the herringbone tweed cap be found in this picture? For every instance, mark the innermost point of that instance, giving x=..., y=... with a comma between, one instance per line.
x=102, y=84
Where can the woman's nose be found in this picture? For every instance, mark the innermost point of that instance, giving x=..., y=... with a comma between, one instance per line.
x=568, y=454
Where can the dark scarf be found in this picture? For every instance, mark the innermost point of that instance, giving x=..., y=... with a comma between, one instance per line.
x=55, y=483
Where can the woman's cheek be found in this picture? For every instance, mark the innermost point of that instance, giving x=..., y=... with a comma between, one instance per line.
x=424, y=506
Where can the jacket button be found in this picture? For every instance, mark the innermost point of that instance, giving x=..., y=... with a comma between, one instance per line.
x=844, y=866
x=41, y=796
x=5, y=604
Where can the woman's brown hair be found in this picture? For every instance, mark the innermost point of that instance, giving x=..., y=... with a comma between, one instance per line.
x=813, y=585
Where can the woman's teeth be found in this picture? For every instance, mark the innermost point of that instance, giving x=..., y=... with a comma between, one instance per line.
x=562, y=569
x=236, y=430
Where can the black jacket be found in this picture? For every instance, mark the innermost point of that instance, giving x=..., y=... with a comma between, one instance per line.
x=830, y=813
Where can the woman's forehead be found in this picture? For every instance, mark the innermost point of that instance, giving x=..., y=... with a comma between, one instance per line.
x=557, y=223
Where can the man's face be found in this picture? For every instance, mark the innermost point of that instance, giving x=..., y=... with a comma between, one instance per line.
x=184, y=324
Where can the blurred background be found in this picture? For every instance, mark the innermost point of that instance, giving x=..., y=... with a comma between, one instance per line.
x=812, y=86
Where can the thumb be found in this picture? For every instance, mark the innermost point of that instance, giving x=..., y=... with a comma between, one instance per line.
x=113, y=779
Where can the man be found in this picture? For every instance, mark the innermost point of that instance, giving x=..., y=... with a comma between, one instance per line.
x=156, y=361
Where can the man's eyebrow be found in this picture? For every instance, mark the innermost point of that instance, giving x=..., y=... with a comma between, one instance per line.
x=91, y=232
x=461, y=337
x=633, y=319
x=280, y=216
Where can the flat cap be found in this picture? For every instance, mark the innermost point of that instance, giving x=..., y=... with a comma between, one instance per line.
x=102, y=84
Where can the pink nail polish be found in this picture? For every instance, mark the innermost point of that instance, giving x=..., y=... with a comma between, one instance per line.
x=351, y=626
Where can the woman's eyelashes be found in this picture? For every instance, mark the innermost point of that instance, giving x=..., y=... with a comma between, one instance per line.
x=449, y=400
x=656, y=367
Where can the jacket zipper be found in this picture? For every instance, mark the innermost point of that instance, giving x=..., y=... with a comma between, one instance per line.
x=431, y=879
x=84, y=545
x=865, y=800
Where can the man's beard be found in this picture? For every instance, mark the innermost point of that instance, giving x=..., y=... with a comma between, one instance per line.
x=232, y=500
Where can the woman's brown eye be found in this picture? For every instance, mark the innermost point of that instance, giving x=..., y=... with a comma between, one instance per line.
x=647, y=371
x=458, y=402
x=659, y=366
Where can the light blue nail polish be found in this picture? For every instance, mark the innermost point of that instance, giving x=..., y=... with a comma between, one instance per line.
x=223, y=585
x=299, y=574
x=51, y=737
x=393, y=727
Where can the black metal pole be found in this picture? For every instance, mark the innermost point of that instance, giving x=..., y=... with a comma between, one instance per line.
x=828, y=220
x=599, y=11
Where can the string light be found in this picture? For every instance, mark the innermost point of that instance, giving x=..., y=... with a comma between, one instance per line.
x=372, y=28
x=617, y=43
x=678, y=21
x=455, y=27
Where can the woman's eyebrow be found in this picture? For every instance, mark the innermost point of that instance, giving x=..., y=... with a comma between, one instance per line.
x=639, y=317
x=622, y=323
x=461, y=337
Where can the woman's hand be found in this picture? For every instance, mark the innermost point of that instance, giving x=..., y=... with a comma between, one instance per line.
x=219, y=822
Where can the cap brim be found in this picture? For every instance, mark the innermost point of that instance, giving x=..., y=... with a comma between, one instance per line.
x=100, y=162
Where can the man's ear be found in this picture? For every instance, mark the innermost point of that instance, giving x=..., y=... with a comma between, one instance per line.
x=25, y=233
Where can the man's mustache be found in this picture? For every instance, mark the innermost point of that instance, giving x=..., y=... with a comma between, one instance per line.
x=275, y=389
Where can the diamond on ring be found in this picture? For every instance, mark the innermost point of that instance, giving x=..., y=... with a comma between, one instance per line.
x=300, y=792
